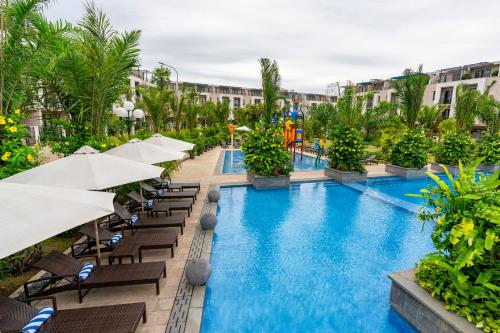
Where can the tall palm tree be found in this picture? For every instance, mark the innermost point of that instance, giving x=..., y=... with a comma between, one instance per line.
x=271, y=81
x=96, y=67
x=26, y=39
x=430, y=117
x=410, y=91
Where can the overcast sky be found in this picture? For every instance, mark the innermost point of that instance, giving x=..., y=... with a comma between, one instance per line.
x=315, y=42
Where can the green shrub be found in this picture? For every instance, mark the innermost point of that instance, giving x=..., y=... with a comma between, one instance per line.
x=264, y=152
x=346, y=150
x=489, y=148
x=410, y=151
x=464, y=272
x=455, y=147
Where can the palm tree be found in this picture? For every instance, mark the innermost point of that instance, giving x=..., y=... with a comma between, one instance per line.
x=26, y=39
x=155, y=102
x=96, y=67
x=430, y=117
x=271, y=81
x=410, y=91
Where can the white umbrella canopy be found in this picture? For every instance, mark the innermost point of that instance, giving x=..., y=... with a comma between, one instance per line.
x=144, y=152
x=243, y=128
x=32, y=213
x=166, y=142
x=87, y=169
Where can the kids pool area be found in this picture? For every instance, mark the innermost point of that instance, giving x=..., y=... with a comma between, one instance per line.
x=310, y=258
x=233, y=162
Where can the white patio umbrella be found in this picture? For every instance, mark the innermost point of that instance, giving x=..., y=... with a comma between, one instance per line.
x=87, y=169
x=141, y=151
x=243, y=128
x=33, y=213
x=166, y=142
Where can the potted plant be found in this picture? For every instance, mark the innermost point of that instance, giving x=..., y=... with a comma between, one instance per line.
x=268, y=164
x=455, y=148
x=489, y=149
x=345, y=155
x=409, y=155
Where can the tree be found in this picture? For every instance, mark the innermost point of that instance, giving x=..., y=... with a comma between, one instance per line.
x=430, y=117
x=271, y=81
x=26, y=42
x=155, y=102
x=95, y=68
x=410, y=91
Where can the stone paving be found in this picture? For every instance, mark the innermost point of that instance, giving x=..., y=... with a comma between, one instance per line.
x=201, y=169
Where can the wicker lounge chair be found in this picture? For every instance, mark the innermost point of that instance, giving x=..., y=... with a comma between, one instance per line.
x=165, y=206
x=168, y=185
x=127, y=246
x=121, y=318
x=170, y=195
x=145, y=222
x=66, y=269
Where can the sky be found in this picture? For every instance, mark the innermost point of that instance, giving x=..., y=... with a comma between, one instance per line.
x=315, y=42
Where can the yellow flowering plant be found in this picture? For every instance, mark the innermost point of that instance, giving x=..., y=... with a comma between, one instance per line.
x=15, y=155
x=464, y=272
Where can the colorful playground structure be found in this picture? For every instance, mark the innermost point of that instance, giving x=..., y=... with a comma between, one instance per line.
x=293, y=130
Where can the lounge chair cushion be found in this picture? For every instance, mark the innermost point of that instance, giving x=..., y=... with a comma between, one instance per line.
x=115, y=239
x=35, y=323
x=85, y=271
x=133, y=219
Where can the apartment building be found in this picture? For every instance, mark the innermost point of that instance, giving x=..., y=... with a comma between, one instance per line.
x=442, y=85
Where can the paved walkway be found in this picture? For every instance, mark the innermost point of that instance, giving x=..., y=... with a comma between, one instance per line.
x=201, y=169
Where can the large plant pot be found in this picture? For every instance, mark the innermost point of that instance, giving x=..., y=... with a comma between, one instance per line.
x=407, y=173
x=262, y=182
x=345, y=177
x=489, y=167
x=426, y=313
x=451, y=168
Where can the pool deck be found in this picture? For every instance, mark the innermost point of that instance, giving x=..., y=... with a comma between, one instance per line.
x=202, y=169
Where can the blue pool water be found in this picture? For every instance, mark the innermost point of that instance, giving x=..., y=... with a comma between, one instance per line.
x=237, y=166
x=312, y=258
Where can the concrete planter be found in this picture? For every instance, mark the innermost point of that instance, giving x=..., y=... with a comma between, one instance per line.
x=452, y=169
x=345, y=177
x=406, y=173
x=426, y=313
x=489, y=167
x=262, y=182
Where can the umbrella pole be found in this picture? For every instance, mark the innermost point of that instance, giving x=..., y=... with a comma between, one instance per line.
x=142, y=198
x=97, y=244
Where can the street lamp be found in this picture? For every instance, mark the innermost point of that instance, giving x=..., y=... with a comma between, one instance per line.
x=127, y=111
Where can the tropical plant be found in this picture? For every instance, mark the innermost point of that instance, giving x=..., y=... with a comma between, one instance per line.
x=489, y=148
x=271, y=80
x=15, y=156
x=410, y=150
x=95, y=68
x=264, y=153
x=346, y=150
x=455, y=147
x=430, y=117
x=463, y=272
x=410, y=91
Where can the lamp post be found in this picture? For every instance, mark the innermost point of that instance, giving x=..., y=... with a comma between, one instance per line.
x=129, y=112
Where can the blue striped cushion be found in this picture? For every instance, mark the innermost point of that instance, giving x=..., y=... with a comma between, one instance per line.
x=85, y=271
x=133, y=219
x=149, y=203
x=35, y=323
x=115, y=239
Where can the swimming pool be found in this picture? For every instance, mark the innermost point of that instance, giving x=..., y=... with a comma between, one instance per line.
x=233, y=162
x=311, y=258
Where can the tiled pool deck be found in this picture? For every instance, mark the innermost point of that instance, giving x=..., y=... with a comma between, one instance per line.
x=178, y=308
